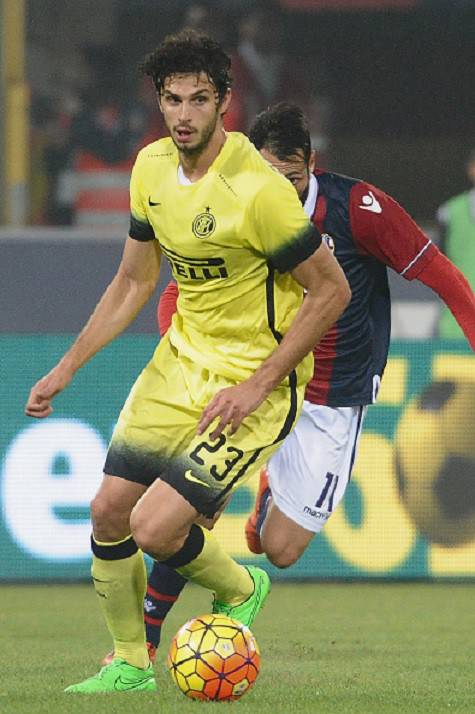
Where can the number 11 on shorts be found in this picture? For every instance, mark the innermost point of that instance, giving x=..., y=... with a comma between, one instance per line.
x=328, y=490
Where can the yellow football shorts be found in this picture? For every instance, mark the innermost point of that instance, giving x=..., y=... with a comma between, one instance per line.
x=156, y=434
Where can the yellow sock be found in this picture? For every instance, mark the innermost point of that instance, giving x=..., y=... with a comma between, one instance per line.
x=121, y=585
x=214, y=569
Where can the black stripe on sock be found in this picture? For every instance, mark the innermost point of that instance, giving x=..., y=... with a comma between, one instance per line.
x=190, y=549
x=115, y=551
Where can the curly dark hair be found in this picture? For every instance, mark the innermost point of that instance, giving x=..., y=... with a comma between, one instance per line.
x=189, y=52
x=283, y=130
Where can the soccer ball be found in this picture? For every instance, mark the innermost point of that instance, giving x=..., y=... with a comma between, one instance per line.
x=435, y=462
x=214, y=658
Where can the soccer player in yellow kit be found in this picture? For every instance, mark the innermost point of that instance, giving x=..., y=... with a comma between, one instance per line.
x=225, y=386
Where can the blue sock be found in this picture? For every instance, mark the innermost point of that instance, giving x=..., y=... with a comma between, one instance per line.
x=163, y=588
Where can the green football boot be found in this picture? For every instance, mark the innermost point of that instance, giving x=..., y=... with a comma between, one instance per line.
x=246, y=612
x=118, y=676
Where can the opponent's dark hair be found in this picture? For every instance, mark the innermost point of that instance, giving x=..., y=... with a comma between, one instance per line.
x=189, y=52
x=282, y=129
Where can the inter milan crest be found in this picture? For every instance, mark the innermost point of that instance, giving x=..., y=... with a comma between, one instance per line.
x=204, y=224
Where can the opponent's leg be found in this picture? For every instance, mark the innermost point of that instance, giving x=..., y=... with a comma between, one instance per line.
x=163, y=589
x=283, y=540
x=308, y=478
x=256, y=519
x=270, y=531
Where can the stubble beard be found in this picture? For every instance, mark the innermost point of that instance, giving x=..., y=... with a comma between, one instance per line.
x=208, y=132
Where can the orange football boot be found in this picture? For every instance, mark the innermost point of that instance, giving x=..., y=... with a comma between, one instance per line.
x=250, y=529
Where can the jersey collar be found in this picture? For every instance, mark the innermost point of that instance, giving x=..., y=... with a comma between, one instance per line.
x=311, y=202
x=182, y=179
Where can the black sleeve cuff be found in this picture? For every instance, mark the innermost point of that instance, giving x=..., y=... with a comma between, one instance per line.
x=301, y=248
x=140, y=231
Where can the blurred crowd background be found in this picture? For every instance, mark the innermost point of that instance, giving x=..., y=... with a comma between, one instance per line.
x=387, y=85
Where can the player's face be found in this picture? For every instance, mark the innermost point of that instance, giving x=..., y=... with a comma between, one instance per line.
x=295, y=168
x=191, y=109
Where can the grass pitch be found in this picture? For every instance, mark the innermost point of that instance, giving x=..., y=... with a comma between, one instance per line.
x=326, y=649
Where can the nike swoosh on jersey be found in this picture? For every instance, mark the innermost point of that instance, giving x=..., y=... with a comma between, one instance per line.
x=190, y=477
x=153, y=203
x=371, y=203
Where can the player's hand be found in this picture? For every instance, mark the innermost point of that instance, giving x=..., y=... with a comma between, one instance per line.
x=43, y=392
x=232, y=405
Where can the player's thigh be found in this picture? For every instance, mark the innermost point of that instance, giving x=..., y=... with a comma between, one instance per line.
x=158, y=418
x=309, y=474
x=112, y=506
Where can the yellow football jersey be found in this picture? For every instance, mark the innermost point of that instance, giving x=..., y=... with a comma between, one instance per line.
x=231, y=237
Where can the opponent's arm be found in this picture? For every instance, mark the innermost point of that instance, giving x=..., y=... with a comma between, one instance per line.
x=128, y=292
x=328, y=294
x=391, y=236
x=444, y=278
x=166, y=307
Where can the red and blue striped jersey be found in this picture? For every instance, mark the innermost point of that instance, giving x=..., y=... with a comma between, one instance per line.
x=368, y=232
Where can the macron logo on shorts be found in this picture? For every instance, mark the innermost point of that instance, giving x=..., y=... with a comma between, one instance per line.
x=316, y=514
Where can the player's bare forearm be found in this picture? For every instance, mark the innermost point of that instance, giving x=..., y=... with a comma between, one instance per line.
x=119, y=305
x=328, y=294
x=128, y=292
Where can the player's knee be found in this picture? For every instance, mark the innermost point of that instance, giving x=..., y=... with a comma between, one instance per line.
x=282, y=557
x=109, y=523
x=153, y=540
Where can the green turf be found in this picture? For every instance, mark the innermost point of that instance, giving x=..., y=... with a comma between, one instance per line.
x=326, y=648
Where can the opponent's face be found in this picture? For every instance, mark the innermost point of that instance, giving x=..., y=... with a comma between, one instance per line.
x=295, y=168
x=191, y=110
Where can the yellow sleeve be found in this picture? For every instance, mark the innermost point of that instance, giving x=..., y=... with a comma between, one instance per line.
x=140, y=228
x=283, y=233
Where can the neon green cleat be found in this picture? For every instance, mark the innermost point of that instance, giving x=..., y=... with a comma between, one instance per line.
x=118, y=676
x=246, y=612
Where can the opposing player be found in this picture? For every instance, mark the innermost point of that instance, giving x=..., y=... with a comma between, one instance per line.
x=225, y=386
x=368, y=231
